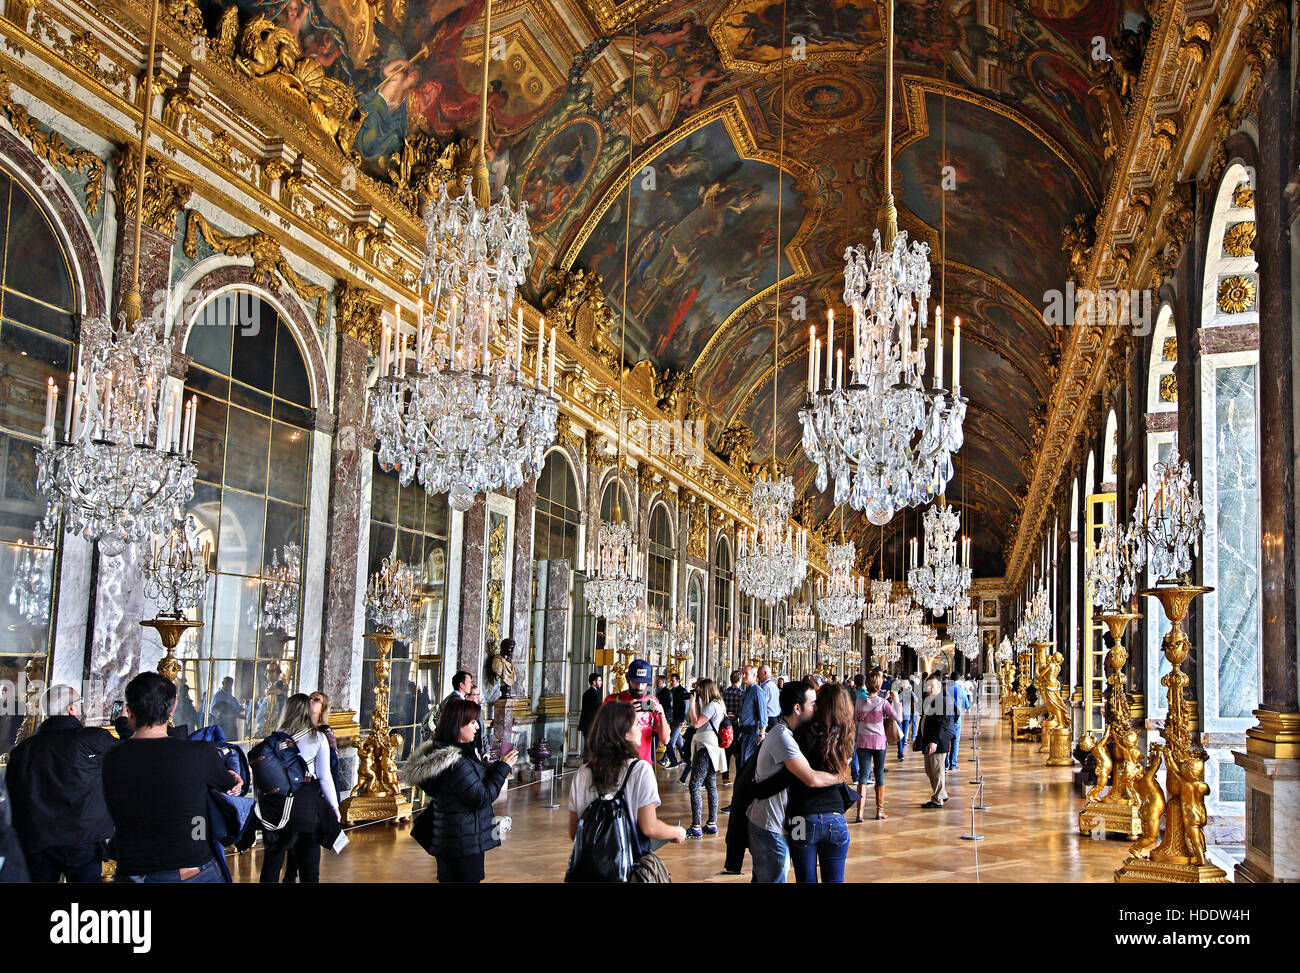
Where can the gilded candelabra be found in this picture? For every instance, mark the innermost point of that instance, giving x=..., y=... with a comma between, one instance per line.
x=378, y=794
x=1116, y=751
x=1178, y=856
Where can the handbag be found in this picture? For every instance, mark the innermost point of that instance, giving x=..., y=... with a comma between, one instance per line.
x=649, y=870
x=893, y=732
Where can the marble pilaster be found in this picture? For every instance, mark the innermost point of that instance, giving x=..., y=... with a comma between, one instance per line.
x=473, y=573
x=521, y=589
x=349, y=525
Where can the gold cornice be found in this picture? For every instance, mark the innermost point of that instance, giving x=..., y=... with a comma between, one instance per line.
x=610, y=15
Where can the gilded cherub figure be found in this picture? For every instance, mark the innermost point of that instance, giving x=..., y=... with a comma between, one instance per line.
x=1153, y=805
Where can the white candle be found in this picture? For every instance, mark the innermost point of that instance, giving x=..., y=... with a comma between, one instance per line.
x=397, y=330
x=938, y=347
x=194, y=421
x=420, y=332
x=907, y=344
x=76, y=417
x=956, y=355
x=51, y=403
x=839, y=368
x=185, y=426
x=857, y=337
x=541, y=327
x=830, y=343
x=167, y=443
x=72, y=394
x=484, y=356
x=817, y=366
x=519, y=341
x=383, y=351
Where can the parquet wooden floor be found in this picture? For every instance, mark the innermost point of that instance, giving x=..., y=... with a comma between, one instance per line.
x=1030, y=831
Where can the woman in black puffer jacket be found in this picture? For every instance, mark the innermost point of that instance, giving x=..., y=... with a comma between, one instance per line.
x=457, y=827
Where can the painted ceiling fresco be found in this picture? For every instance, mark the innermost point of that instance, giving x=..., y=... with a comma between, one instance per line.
x=702, y=83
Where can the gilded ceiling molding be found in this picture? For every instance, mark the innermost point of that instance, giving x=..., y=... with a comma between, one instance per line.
x=51, y=147
x=268, y=259
x=610, y=15
x=165, y=192
x=717, y=33
x=80, y=48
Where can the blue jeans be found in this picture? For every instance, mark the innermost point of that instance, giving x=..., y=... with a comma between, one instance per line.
x=673, y=753
x=746, y=743
x=771, y=853
x=820, y=838
x=907, y=725
x=952, y=752
x=208, y=874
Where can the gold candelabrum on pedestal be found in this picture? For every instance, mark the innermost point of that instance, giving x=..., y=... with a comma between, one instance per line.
x=1007, y=693
x=378, y=794
x=1116, y=752
x=620, y=669
x=1056, y=724
x=171, y=629
x=1038, y=669
x=1178, y=856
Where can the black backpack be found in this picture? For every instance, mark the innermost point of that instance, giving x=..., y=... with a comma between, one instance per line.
x=278, y=771
x=605, y=846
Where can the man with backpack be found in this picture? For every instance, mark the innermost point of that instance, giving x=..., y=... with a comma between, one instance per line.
x=650, y=716
x=156, y=789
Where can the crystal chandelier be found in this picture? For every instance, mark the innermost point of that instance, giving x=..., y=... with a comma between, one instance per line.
x=963, y=629
x=393, y=597
x=943, y=577
x=281, y=585
x=881, y=620
x=124, y=462
x=885, y=440
x=463, y=421
x=840, y=640
x=772, y=562
x=911, y=629
x=33, y=576
x=683, y=638
x=1168, y=522
x=1004, y=652
x=176, y=570
x=631, y=627
x=1037, y=619
x=801, y=633
x=887, y=652
x=842, y=599
x=1111, y=572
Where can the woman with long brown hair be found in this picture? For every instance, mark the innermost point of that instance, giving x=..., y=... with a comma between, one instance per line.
x=708, y=759
x=817, y=831
x=869, y=712
x=457, y=827
x=614, y=761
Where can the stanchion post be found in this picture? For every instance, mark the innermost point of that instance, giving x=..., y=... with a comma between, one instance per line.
x=973, y=836
x=981, y=806
x=979, y=778
x=555, y=775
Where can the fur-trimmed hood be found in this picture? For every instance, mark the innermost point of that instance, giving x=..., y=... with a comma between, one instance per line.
x=430, y=761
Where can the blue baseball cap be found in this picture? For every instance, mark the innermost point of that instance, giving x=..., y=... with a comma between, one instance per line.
x=639, y=671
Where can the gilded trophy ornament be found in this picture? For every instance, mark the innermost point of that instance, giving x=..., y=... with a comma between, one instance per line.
x=1117, y=754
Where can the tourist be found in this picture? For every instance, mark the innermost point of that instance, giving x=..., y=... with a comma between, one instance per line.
x=665, y=698
x=314, y=816
x=905, y=704
x=959, y=700
x=751, y=720
x=226, y=709
x=457, y=827
x=708, y=759
x=320, y=716
x=731, y=699
x=933, y=738
x=869, y=713
x=650, y=714
x=767, y=835
x=772, y=695
x=460, y=686
x=675, y=708
x=816, y=828
x=156, y=788
x=590, y=704
x=57, y=790
x=614, y=761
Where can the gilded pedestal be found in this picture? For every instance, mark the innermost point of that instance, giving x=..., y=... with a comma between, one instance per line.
x=1118, y=756
x=378, y=794
x=1176, y=852
x=1058, y=744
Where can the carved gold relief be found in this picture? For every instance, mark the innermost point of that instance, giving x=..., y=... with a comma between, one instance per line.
x=1077, y=240
x=185, y=14
x=79, y=48
x=268, y=259
x=1236, y=293
x=358, y=313
x=270, y=54
x=1169, y=350
x=1239, y=240
x=165, y=195
x=50, y=147
x=1243, y=196
x=1168, y=388
x=574, y=302
x=697, y=538
x=735, y=444
x=565, y=433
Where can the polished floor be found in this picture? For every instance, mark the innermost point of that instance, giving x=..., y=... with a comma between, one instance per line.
x=1030, y=831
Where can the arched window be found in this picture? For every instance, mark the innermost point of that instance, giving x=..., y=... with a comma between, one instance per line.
x=615, y=488
x=1110, y=453
x=414, y=525
x=695, y=612
x=252, y=445
x=722, y=579
x=1229, y=460
x=38, y=315
x=1161, y=440
x=660, y=564
x=555, y=526
x=1076, y=583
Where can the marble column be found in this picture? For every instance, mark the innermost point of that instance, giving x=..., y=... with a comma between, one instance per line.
x=117, y=643
x=1272, y=758
x=521, y=587
x=473, y=575
x=349, y=528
